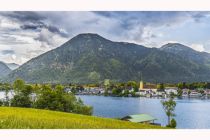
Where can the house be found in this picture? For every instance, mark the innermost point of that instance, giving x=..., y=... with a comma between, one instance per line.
x=147, y=90
x=194, y=93
x=170, y=90
x=140, y=118
x=161, y=93
x=207, y=91
x=68, y=90
x=185, y=92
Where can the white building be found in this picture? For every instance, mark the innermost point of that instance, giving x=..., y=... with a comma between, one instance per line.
x=170, y=90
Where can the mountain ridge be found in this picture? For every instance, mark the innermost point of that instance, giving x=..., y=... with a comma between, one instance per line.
x=4, y=69
x=90, y=58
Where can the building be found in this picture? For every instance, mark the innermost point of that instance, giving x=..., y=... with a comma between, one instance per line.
x=170, y=90
x=140, y=118
x=194, y=93
x=148, y=90
x=141, y=86
x=207, y=91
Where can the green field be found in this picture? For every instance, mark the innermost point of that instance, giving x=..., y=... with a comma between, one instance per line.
x=25, y=118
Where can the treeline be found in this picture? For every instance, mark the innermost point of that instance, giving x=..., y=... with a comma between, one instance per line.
x=192, y=86
x=43, y=97
x=135, y=85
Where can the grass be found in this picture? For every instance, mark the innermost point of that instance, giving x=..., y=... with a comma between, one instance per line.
x=26, y=118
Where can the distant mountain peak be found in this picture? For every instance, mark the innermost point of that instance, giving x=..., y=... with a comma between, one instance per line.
x=12, y=66
x=4, y=69
x=89, y=36
x=175, y=46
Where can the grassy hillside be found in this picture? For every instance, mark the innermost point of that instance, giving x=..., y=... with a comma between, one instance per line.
x=25, y=118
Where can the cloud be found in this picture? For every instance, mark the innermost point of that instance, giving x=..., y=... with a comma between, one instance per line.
x=30, y=34
x=5, y=52
x=49, y=39
x=197, y=47
x=23, y=16
x=9, y=39
x=207, y=46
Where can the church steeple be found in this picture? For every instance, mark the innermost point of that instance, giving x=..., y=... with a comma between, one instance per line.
x=141, y=85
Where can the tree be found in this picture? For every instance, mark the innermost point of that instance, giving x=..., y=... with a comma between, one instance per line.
x=6, y=102
x=116, y=91
x=169, y=107
x=126, y=92
x=181, y=85
x=161, y=87
x=179, y=92
x=80, y=108
x=133, y=84
x=1, y=102
x=18, y=85
x=106, y=92
x=22, y=94
x=172, y=94
x=27, y=90
x=173, y=123
x=21, y=101
x=57, y=99
x=106, y=83
x=208, y=85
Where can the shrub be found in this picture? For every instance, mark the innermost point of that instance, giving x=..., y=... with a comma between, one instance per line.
x=173, y=123
x=57, y=99
x=21, y=101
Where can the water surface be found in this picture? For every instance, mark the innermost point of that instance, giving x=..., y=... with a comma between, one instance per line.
x=190, y=113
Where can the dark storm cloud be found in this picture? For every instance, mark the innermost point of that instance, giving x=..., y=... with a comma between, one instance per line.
x=30, y=27
x=54, y=29
x=24, y=16
x=42, y=25
x=33, y=21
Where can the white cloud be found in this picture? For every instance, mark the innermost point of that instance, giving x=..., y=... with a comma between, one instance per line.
x=197, y=47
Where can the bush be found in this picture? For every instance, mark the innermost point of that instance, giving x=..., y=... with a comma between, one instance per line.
x=57, y=99
x=22, y=94
x=173, y=123
x=21, y=101
x=47, y=98
x=80, y=108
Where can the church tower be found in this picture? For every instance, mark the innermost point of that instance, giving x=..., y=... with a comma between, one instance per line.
x=141, y=85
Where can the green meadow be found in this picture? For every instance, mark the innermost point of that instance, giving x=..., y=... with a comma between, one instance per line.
x=27, y=118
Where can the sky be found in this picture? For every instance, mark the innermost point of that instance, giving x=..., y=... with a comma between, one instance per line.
x=27, y=34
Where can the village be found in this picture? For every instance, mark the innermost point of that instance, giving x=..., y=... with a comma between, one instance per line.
x=143, y=90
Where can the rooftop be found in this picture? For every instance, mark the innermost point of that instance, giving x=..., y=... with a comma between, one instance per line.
x=138, y=118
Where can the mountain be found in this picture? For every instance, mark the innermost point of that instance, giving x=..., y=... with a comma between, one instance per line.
x=90, y=58
x=187, y=53
x=12, y=66
x=4, y=70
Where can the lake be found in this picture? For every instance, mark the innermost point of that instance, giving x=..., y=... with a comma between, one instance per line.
x=190, y=113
